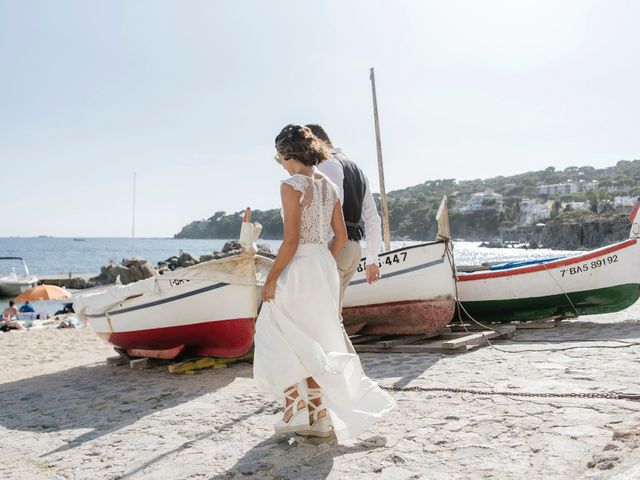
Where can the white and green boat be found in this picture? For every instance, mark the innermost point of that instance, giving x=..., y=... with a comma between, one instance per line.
x=599, y=281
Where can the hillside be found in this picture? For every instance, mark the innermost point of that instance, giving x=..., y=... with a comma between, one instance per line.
x=412, y=210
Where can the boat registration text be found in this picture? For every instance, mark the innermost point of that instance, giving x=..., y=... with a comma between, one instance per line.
x=585, y=267
x=399, y=257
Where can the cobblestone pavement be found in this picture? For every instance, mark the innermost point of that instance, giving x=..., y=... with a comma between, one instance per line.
x=66, y=414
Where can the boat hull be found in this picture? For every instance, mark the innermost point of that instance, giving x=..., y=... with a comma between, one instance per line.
x=13, y=289
x=601, y=281
x=224, y=338
x=194, y=318
x=414, y=296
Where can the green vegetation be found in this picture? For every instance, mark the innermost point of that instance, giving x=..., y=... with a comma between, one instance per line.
x=412, y=210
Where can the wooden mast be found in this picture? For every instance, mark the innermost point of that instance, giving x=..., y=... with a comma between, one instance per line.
x=133, y=220
x=383, y=194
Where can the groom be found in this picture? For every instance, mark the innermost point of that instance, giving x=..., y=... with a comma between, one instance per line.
x=357, y=204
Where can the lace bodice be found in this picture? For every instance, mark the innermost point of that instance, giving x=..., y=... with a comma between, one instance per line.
x=318, y=198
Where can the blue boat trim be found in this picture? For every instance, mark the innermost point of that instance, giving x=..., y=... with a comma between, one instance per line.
x=401, y=272
x=164, y=300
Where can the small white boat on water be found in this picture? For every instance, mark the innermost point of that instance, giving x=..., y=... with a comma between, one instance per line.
x=12, y=283
x=416, y=292
x=208, y=309
x=604, y=280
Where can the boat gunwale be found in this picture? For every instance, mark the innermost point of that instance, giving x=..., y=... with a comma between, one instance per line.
x=396, y=250
x=562, y=262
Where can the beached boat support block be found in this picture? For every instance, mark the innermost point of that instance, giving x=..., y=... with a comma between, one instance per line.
x=189, y=367
x=116, y=361
x=443, y=341
x=140, y=363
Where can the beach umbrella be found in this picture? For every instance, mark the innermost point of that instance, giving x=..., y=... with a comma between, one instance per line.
x=43, y=292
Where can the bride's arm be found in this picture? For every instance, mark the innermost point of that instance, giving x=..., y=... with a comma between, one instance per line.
x=292, y=211
x=339, y=230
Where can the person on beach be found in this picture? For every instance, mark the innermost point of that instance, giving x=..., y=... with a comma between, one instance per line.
x=27, y=308
x=301, y=352
x=357, y=204
x=10, y=318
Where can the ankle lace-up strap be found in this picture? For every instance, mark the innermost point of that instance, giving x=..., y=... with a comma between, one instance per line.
x=315, y=394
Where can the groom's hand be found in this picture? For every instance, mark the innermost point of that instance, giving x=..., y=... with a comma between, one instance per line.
x=373, y=273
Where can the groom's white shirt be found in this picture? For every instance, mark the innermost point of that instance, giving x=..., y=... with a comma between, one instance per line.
x=332, y=168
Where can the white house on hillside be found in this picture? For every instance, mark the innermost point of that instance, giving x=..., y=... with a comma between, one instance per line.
x=531, y=210
x=622, y=202
x=487, y=200
x=567, y=187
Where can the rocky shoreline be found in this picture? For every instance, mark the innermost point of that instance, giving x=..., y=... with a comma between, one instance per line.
x=131, y=270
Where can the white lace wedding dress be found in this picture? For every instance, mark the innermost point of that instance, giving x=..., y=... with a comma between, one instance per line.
x=299, y=333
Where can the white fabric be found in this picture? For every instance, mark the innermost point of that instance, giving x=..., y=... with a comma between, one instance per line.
x=299, y=335
x=318, y=198
x=372, y=223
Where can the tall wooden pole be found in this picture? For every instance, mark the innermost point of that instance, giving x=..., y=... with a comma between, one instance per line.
x=383, y=193
x=133, y=221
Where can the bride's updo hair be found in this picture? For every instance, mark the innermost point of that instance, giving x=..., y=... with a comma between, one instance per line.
x=299, y=143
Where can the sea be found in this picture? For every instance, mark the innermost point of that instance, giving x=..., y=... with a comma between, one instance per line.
x=61, y=256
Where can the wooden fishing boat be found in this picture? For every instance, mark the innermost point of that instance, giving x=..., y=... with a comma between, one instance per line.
x=415, y=294
x=208, y=309
x=599, y=281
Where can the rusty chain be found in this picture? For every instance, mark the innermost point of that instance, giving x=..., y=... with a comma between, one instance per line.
x=606, y=395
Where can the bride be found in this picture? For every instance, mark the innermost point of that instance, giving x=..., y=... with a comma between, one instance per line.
x=301, y=351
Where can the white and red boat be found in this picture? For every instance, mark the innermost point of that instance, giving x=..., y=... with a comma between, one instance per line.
x=415, y=294
x=208, y=309
x=599, y=281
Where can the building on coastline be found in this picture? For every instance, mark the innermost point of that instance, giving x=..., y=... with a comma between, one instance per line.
x=567, y=188
x=619, y=188
x=576, y=205
x=482, y=201
x=531, y=210
x=624, y=204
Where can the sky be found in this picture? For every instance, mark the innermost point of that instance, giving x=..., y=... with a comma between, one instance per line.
x=191, y=94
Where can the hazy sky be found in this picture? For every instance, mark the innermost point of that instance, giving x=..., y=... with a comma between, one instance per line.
x=190, y=95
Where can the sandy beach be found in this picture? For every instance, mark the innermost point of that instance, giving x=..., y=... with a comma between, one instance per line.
x=66, y=414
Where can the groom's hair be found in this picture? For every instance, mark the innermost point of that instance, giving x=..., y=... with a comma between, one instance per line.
x=319, y=132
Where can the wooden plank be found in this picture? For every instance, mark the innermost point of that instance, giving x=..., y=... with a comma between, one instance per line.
x=471, y=327
x=432, y=347
x=356, y=339
x=473, y=339
x=116, y=361
x=406, y=340
x=537, y=325
x=207, y=362
x=506, y=331
x=140, y=363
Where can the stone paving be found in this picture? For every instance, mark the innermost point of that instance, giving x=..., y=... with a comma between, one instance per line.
x=67, y=415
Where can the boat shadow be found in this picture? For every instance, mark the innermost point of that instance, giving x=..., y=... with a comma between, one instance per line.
x=583, y=331
x=397, y=369
x=295, y=456
x=100, y=399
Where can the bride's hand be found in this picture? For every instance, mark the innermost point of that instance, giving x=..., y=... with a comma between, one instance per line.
x=269, y=290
